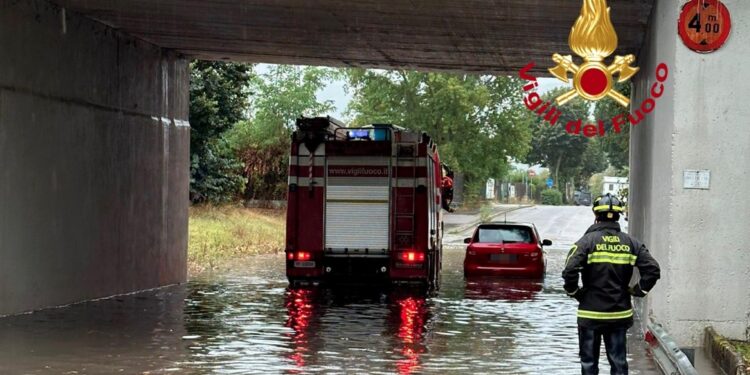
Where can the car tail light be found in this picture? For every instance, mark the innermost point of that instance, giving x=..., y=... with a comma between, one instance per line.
x=412, y=257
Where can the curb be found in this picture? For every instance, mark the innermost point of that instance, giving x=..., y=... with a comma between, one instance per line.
x=724, y=354
x=464, y=227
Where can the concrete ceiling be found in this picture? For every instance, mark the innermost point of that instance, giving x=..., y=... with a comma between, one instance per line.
x=497, y=37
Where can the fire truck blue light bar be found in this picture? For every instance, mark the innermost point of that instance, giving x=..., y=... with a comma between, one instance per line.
x=359, y=134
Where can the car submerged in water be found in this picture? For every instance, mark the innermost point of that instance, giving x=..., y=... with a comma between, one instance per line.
x=506, y=249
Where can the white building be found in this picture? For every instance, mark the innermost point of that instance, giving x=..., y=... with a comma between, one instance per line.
x=613, y=185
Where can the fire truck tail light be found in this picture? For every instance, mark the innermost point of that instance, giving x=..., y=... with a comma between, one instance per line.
x=290, y=256
x=412, y=257
x=303, y=255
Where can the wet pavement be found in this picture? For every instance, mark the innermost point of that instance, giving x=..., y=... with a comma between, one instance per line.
x=247, y=322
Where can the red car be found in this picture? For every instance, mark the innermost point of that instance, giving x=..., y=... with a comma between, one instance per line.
x=506, y=249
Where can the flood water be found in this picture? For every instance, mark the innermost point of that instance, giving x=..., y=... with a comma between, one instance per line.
x=247, y=321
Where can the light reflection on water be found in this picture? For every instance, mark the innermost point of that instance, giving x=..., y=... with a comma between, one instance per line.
x=240, y=324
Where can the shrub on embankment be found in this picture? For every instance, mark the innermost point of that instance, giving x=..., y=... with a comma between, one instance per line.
x=552, y=197
x=218, y=235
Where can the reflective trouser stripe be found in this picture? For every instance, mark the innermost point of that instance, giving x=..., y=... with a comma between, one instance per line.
x=605, y=315
x=614, y=258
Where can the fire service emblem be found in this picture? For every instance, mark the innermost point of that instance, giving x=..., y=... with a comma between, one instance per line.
x=593, y=38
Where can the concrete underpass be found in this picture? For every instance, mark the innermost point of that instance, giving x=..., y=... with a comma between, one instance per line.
x=94, y=134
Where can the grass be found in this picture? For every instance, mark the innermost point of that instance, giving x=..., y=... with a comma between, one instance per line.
x=743, y=347
x=218, y=235
x=485, y=213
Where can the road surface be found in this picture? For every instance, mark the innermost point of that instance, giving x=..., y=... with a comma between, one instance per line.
x=249, y=322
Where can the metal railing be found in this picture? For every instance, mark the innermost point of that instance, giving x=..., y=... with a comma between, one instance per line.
x=667, y=354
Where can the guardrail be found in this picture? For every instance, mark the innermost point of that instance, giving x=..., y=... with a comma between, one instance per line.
x=667, y=354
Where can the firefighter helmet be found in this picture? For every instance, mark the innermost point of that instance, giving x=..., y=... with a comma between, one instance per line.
x=608, y=205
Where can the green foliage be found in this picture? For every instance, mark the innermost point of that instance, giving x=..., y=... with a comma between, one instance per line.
x=485, y=213
x=594, y=160
x=556, y=149
x=477, y=122
x=218, y=98
x=215, y=175
x=552, y=197
x=281, y=95
x=517, y=175
x=596, y=184
x=570, y=157
x=616, y=146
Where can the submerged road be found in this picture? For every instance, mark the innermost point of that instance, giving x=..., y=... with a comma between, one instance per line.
x=248, y=321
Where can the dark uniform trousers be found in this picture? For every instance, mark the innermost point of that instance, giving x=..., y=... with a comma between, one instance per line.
x=590, y=342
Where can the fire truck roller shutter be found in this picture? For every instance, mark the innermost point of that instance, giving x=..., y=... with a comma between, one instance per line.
x=357, y=215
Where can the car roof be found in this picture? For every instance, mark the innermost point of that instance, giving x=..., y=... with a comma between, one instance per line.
x=508, y=223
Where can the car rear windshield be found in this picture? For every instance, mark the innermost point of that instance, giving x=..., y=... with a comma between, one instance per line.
x=504, y=234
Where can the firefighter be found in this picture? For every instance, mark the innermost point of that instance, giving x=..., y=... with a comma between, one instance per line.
x=447, y=190
x=605, y=258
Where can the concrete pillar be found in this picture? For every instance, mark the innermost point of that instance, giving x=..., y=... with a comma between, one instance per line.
x=93, y=160
x=700, y=237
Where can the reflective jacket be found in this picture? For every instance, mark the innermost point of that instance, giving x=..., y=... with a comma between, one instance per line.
x=605, y=258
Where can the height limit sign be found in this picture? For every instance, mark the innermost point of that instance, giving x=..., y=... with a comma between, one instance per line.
x=704, y=25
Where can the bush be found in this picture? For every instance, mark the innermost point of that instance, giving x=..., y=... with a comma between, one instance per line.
x=485, y=213
x=215, y=175
x=552, y=197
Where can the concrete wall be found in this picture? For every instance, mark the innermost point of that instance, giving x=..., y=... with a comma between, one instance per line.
x=699, y=236
x=93, y=160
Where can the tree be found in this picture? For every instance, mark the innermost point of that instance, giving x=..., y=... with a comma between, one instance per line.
x=218, y=99
x=616, y=146
x=261, y=142
x=594, y=160
x=556, y=149
x=477, y=122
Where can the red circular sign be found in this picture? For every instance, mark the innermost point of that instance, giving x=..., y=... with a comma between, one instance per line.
x=704, y=25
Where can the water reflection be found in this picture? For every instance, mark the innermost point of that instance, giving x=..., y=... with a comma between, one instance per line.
x=255, y=324
x=299, y=305
x=493, y=289
x=409, y=314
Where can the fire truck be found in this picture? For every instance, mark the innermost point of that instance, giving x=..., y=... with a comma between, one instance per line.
x=364, y=204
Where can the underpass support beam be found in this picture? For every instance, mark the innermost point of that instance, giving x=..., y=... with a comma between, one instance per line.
x=94, y=145
x=698, y=236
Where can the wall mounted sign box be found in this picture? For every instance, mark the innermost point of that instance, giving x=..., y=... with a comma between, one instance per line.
x=696, y=179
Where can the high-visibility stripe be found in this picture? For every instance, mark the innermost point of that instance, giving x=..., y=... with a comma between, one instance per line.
x=570, y=253
x=614, y=258
x=605, y=315
x=606, y=208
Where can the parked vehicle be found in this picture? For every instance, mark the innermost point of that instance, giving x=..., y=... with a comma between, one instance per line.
x=506, y=249
x=582, y=198
x=364, y=205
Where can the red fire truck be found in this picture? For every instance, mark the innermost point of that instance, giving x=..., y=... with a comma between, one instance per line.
x=364, y=204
